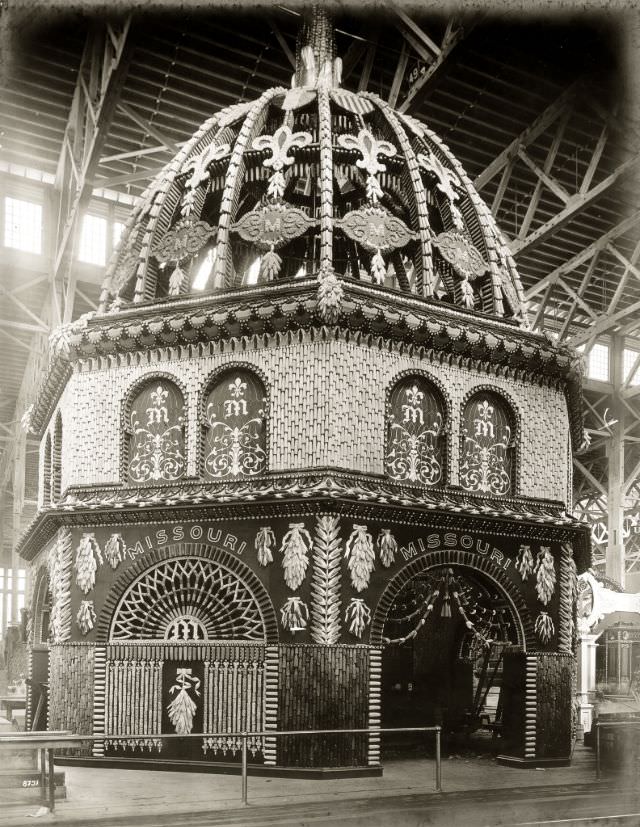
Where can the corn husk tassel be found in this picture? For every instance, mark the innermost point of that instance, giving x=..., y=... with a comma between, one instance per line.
x=524, y=562
x=545, y=575
x=361, y=557
x=544, y=627
x=387, y=547
x=86, y=616
x=270, y=265
x=296, y=545
x=378, y=268
x=88, y=557
x=294, y=615
x=358, y=616
x=330, y=294
x=468, y=298
x=264, y=544
x=114, y=551
x=176, y=280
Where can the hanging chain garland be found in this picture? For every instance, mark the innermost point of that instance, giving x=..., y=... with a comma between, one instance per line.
x=429, y=603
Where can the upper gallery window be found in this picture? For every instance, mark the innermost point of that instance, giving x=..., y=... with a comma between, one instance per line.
x=415, y=447
x=155, y=422
x=235, y=435
x=487, y=463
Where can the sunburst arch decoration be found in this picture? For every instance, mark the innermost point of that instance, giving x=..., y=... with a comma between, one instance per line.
x=187, y=598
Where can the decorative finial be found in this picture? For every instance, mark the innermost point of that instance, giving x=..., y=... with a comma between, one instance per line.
x=316, y=61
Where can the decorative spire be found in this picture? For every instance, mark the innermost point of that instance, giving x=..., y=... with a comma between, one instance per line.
x=316, y=62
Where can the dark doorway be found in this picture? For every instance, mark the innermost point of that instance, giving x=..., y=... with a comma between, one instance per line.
x=444, y=636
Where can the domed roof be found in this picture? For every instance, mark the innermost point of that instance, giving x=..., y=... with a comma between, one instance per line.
x=315, y=181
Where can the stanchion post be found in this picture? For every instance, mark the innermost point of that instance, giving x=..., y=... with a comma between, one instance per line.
x=244, y=769
x=52, y=782
x=438, y=763
x=43, y=775
x=597, y=749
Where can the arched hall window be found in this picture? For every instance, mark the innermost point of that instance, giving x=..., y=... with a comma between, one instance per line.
x=235, y=437
x=487, y=461
x=415, y=443
x=155, y=424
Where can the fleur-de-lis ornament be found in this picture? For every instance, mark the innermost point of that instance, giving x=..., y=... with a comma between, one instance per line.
x=369, y=147
x=447, y=178
x=279, y=144
x=198, y=166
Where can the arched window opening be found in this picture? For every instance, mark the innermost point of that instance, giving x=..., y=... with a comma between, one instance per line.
x=235, y=437
x=46, y=472
x=415, y=446
x=155, y=425
x=56, y=460
x=487, y=460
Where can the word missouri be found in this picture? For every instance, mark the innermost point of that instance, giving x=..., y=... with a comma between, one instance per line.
x=452, y=540
x=180, y=533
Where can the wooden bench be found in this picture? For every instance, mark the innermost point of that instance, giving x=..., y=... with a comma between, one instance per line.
x=45, y=743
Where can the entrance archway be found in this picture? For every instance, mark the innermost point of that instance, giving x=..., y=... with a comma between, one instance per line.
x=445, y=626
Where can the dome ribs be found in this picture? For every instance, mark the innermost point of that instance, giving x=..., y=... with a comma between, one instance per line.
x=326, y=178
x=253, y=122
x=425, y=279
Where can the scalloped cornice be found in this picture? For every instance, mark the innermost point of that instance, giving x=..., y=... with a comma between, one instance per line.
x=280, y=495
x=379, y=318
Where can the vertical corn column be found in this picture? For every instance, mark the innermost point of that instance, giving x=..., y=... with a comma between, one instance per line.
x=565, y=610
x=326, y=177
x=375, y=675
x=530, y=706
x=425, y=278
x=28, y=712
x=270, y=703
x=99, y=685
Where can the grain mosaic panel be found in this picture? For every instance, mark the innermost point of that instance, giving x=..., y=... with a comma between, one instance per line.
x=327, y=408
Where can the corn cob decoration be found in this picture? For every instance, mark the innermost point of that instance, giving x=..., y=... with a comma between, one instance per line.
x=88, y=557
x=330, y=293
x=358, y=616
x=60, y=563
x=524, y=562
x=295, y=548
x=264, y=543
x=361, y=557
x=387, y=547
x=86, y=616
x=294, y=615
x=545, y=575
x=114, y=551
x=544, y=627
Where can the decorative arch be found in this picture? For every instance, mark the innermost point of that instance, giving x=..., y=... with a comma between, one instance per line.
x=216, y=579
x=489, y=442
x=460, y=559
x=41, y=606
x=233, y=414
x=417, y=422
x=154, y=422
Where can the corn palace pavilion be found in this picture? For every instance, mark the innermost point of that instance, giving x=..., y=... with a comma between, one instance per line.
x=307, y=466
